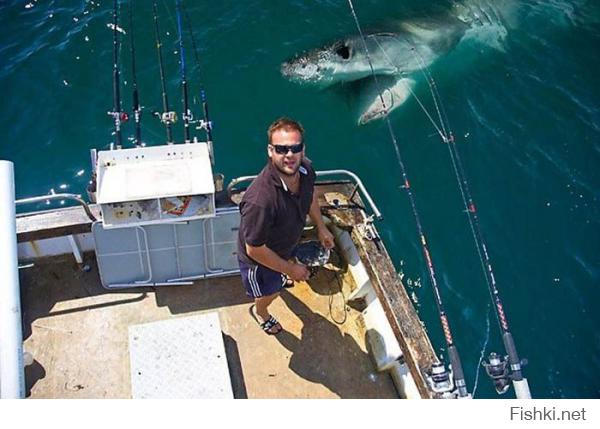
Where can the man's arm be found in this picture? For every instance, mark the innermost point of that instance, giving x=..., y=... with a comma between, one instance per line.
x=325, y=237
x=265, y=256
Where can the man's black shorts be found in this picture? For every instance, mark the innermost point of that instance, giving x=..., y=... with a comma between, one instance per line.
x=260, y=280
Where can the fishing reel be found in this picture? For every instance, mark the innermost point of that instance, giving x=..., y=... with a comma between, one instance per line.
x=188, y=116
x=441, y=381
x=312, y=254
x=497, y=369
x=119, y=116
x=203, y=125
x=166, y=117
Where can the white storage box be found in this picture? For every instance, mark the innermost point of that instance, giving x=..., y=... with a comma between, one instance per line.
x=155, y=184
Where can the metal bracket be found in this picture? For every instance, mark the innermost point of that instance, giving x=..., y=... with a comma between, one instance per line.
x=75, y=249
x=206, y=249
x=367, y=230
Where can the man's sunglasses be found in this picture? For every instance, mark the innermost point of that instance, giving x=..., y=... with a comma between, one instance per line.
x=282, y=149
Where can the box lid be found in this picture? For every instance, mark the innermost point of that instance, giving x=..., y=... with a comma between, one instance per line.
x=154, y=172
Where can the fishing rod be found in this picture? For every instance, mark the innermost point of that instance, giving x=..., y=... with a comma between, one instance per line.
x=204, y=124
x=438, y=378
x=137, y=110
x=118, y=115
x=496, y=366
x=167, y=117
x=187, y=114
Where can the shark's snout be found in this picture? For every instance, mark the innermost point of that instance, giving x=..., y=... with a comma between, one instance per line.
x=301, y=69
x=286, y=69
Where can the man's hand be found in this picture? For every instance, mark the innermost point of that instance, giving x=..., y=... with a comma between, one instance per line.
x=298, y=272
x=326, y=237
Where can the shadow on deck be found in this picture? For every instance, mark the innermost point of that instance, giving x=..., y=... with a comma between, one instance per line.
x=77, y=332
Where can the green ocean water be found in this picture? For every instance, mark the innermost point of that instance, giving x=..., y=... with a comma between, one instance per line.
x=526, y=116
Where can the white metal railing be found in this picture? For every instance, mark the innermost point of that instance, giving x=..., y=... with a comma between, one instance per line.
x=356, y=179
x=53, y=196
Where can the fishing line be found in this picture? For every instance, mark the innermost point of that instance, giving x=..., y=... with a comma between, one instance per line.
x=465, y=193
x=452, y=350
x=434, y=93
x=187, y=116
x=482, y=354
x=437, y=128
x=117, y=115
x=137, y=111
x=206, y=123
x=153, y=133
x=164, y=2
x=167, y=117
x=342, y=295
x=500, y=380
x=193, y=39
x=446, y=136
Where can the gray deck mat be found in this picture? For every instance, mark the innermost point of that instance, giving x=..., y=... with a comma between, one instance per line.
x=180, y=358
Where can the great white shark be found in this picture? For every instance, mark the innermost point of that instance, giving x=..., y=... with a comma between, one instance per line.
x=401, y=54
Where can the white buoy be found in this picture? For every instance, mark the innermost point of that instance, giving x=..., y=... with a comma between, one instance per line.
x=12, y=376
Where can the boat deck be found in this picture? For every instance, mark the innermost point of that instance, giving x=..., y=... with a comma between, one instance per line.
x=77, y=332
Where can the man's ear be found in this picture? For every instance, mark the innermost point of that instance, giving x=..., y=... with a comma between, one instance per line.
x=269, y=151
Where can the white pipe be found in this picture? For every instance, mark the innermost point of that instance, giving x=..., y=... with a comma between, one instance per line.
x=12, y=376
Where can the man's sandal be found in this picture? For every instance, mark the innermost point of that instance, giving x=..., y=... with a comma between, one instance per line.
x=288, y=283
x=268, y=325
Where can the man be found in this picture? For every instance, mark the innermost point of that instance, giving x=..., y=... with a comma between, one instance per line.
x=273, y=211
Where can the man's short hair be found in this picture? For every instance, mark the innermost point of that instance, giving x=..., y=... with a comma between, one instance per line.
x=286, y=124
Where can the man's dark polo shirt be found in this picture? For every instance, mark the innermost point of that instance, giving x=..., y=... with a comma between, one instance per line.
x=272, y=215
